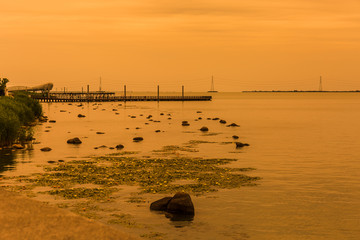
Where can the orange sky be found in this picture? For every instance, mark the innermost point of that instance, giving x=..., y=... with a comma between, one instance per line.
x=245, y=44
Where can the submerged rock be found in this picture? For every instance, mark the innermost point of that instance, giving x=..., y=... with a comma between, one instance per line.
x=233, y=125
x=240, y=145
x=45, y=149
x=185, y=123
x=119, y=146
x=74, y=141
x=138, y=139
x=204, y=129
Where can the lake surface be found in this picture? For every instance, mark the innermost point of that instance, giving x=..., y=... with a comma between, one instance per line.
x=304, y=146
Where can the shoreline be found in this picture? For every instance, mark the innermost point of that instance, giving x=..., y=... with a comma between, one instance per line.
x=25, y=218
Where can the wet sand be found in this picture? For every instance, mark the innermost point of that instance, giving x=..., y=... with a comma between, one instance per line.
x=23, y=218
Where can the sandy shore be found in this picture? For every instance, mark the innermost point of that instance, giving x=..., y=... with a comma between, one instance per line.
x=23, y=218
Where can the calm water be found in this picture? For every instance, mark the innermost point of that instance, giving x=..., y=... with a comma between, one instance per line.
x=305, y=146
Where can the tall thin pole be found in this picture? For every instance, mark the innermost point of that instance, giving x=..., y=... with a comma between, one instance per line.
x=158, y=93
x=183, y=92
x=320, y=85
x=124, y=93
x=212, y=84
x=100, y=85
x=88, y=92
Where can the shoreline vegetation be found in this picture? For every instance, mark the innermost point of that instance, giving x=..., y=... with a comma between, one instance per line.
x=18, y=114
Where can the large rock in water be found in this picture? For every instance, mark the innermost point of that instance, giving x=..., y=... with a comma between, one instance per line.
x=74, y=141
x=181, y=204
x=160, y=205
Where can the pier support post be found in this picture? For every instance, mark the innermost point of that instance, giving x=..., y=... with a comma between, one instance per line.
x=158, y=93
x=88, y=93
x=182, y=93
x=124, y=93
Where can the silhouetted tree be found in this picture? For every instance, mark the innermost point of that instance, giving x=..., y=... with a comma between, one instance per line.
x=3, y=82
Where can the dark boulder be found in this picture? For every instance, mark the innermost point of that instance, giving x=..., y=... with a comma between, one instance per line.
x=81, y=116
x=157, y=131
x=160, y=205
x=240, y=145
x=52, y=121
x=100, y=133
x=181, y=204
x=216, y=118
x=235, y=137
x=138, y=139
x=74, y=141
x=222, y=121
x=204, y=129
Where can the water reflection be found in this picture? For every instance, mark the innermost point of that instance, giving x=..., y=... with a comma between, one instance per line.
x=7, y=157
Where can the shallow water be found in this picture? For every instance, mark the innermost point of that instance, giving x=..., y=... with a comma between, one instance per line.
x=303, y=145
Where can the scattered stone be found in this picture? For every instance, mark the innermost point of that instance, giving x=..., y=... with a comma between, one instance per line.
x=111, y=148
x=222, y=121
x=100, y=133
x=146, y=123
x=185, y=123
x=169, y=118
x=102, y=146
x=138, y=139
x=204, y=129
x=47, y=131
x=216, y=118
x=114, y=109
x=137, y=128
x=48, y=127
x=208, y=118
x=199, y=112
x=133, y=117
x=199, y=118
x=61, y=161
x=161, y=204
x=119, y=146
x=51, y=161
x=81, y=116
x=52, y=121
x=235, y=137
x=161, y=114
x=156, y=121
x=117, y=113
x=148, y=117
x=45, y=149
x=240, y=145
x=233, y=125
x=157, y=131
x=62, y=110
x=74, y=141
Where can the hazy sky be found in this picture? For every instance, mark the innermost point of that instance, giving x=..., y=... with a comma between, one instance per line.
x=245, y=44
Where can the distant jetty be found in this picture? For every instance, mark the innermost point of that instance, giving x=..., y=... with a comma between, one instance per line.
x=298, y=91
x=102, y=96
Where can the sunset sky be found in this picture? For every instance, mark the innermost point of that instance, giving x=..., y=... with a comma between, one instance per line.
x=245, y=44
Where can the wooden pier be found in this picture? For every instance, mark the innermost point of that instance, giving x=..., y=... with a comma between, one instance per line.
x=109, y=97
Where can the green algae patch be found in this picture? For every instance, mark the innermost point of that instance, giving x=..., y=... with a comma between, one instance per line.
x=76, y=193
x=104, y=175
